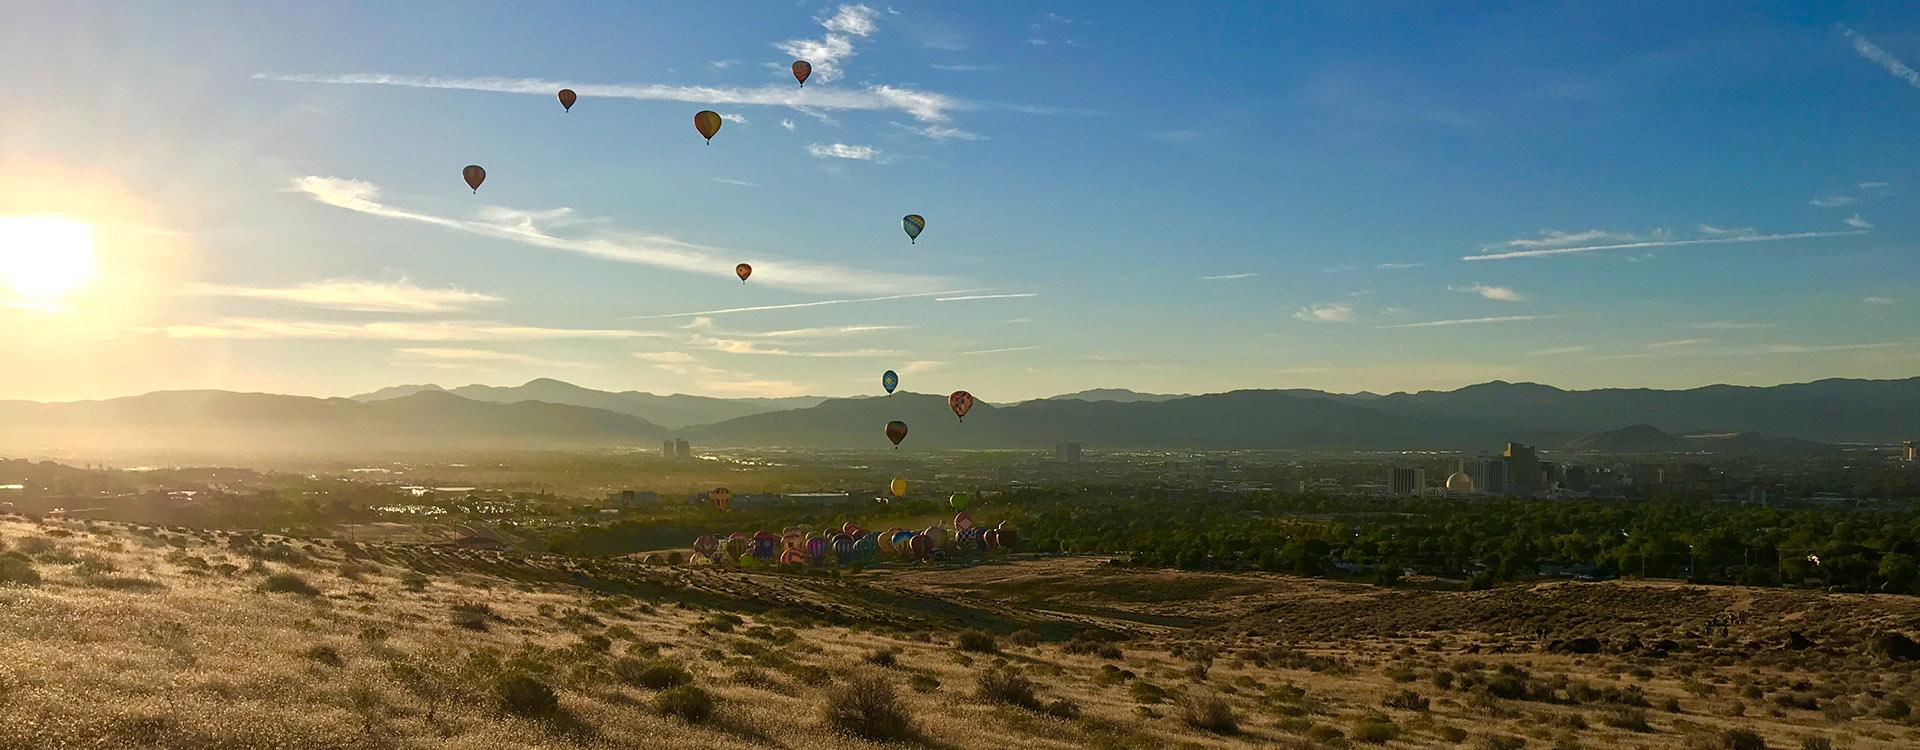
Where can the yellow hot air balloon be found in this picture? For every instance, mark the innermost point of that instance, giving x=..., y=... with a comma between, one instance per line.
x=899, y=487
x=707, y=122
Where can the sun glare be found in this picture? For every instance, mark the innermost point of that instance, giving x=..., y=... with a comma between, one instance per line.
x=43, y=258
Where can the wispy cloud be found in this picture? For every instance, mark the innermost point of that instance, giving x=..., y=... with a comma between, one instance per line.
x=1857, y=222
x=842, y=151
x=921, y=365
x=1577, y=249
x=971, y=297
x=1713, y=231
x=798, y=305
x=1831, y=201
x=740, y=183
x=1559, y=350
x=443, y=330
x=844, y=25
x=1878, y=300
x=747, y=346
x=1398, y=266
x=787, y=123
x=925, y=106
x=1332, y=312
x=1873, y=185
x=1760, y=350
x=355, y=295
x=1556, y=238
x=1467, y=321
x=722, y=64
x=941, y=132
x=654, y=250
x=444, y=357
x=1676, y=343
x=962, y=68
x=1731, y=325
x=1872, y=52
x=1002, y=351
x=1229, y=277
x=1501, y=293
x=826, y=331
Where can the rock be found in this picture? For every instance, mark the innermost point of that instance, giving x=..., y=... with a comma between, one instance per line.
x=1894, y=646
x=1584, y=645
x=1798, y=642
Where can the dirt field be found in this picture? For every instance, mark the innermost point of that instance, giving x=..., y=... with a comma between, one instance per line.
x=143, y=637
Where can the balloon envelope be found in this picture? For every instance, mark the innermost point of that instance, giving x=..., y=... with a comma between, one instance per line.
x=802, y=69
x=963, y=520
x=914, y=224
x=960, y=402
x=474, y=174
x=707, y=122
x=960, y=500
x=899, y=487
x=721, y=497
x=743, y=271
x=896, y=431
x=889, y=380
x=567, y=98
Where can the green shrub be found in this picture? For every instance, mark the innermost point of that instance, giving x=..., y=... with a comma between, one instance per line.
x=288, y=583
x=1210, y=713
x=1742, y=739
x=652, y=674
x=867, y=706
x=886, y=657
x=1006, y=686
x=1375, y=730
x=526, y=697
x=16, y=569
x=1061, y=708
x=976, y=641
x=1631, y=719
x=686, y=702
x=1024, y=637
x=1450, y=733
x=327, y=655
x=1146, y=692
x=923, y=683
x=472, y=615
x=1406, y=700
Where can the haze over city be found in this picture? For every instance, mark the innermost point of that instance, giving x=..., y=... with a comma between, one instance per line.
x=266, y=197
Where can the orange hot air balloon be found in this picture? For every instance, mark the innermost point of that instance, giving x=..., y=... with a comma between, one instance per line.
x=896, y=431
x=743, y=271
x=567, y=98
x=802, y=69
x=721, y=497
x=961, y=402
x=474, y=175
x=707, y=122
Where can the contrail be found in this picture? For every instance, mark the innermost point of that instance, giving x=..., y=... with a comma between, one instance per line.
x=1658, y=243
x=819, y=303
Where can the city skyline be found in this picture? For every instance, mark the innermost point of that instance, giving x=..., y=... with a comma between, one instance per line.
x=1122, y=195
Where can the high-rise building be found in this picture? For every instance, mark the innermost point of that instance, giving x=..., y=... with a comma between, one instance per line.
x=1067, y=452
x=682, y=450
x=1907, y=447
x=666, y=449
x=1489, y=475
x=1406, y=481
x=1523, y=470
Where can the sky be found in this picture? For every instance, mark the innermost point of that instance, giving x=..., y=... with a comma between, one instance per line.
x=267, y=196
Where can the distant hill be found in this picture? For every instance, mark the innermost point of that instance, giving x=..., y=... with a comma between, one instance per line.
x=1643, y=438
x=671, y=411
x=254, y=423
x=1120, y=395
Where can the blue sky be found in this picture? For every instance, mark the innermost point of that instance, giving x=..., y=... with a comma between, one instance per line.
x=1379, y=197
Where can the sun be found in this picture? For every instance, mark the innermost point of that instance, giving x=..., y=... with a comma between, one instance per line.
x=45, y=257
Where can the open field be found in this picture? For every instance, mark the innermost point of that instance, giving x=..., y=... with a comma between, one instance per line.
x=114, y=635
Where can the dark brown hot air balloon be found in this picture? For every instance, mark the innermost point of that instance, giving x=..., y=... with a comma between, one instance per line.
x=707, y=122
x=960, y=402
x=896, y=431
x=567, y=98
x=743, y=271
x=802, y=69
x=474, y=175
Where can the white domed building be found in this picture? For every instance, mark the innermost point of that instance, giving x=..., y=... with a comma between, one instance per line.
x=1459, y=483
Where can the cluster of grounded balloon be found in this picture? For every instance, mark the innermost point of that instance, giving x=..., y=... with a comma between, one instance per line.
x=851, y=545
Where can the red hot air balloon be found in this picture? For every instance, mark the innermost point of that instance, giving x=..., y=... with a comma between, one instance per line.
x=802, y=69
x=743, y=271
x=567, y=98
x=474, y=175
x=707, y=122
x=961, y=402
x=896, y=431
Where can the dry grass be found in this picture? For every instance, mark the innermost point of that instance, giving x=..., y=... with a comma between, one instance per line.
x=391, y=645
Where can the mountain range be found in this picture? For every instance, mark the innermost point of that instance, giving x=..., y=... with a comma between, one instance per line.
x=1785, y=419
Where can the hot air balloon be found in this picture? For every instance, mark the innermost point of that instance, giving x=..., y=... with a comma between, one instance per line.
x=721, y=497
x=918, y=546
x=899, y=487
x=705, y=545
x=743, y=271
x=961, y=402
x=865, y=549
x=843, y=549
x=960, y=500
x=936, y=536
x=886, y=540
x=903, y=542
x=734, y=548
x=474, y=174
x=963, y=520
x=850, y=528
x=707, y=122
x=792, y=557
x=802, y=69
x=915, y=224
x=817, y=549
x=567, y=98
x=896, y=431
x=889, y=380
